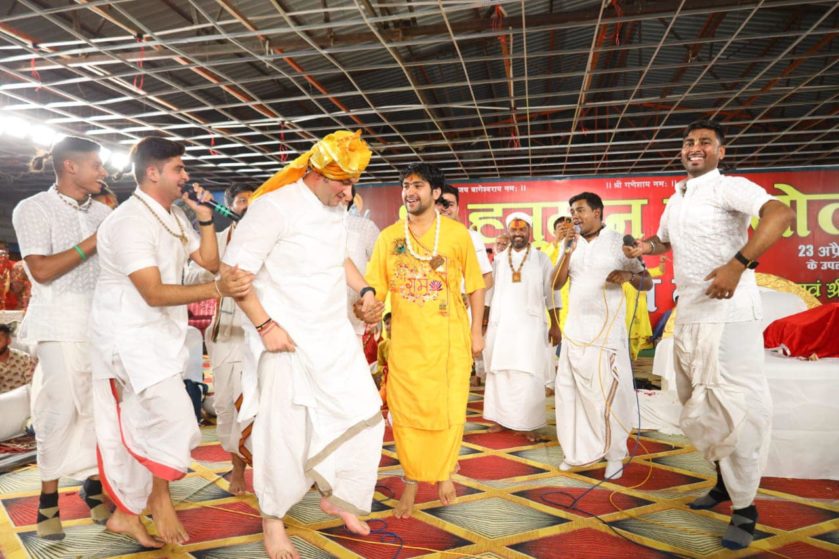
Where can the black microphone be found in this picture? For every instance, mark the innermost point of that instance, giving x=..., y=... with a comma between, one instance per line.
x=629, y=241
x=212, y=204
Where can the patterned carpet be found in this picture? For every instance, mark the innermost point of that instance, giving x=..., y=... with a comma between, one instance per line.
x=513, y=504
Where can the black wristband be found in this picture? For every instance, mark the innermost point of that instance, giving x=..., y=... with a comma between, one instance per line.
x=749, y=264
x=364, y=291
x=205, y=223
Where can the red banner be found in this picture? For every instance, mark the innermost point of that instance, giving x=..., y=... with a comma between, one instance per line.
x=808, y=254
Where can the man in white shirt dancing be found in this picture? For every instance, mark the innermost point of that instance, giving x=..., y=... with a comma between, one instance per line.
x=718, y=342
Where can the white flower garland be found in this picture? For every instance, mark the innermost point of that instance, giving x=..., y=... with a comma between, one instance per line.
x=436, y=240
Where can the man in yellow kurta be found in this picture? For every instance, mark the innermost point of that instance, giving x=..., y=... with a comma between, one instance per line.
x=421, y=261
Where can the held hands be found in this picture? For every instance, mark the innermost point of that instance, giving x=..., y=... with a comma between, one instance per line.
x=368, y=309
x=724, y=280
x=619, y=277
x=234, y=282
x=203, y=213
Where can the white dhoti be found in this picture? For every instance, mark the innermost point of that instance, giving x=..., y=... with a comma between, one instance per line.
x=62, y=412
x=297, y=442
x=226, y=361
x=728, y=408
x=141, y=436
x=515, y=400
x=595, y=403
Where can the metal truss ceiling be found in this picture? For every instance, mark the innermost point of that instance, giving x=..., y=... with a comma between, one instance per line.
x=501, y=89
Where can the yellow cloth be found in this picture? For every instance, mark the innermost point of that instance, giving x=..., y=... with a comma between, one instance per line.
x=640, y=330
x=430, y=355
x=553, y=252
x=339, y=156
x=381, y=355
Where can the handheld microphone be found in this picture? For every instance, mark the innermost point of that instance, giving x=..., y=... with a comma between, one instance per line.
x=629, y=241
x=220, y=209
x=577, y=230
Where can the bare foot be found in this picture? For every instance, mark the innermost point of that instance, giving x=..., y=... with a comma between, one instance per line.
x=495, y=428
x=535, y=437
x=237, y=476
x=446, y=492
x=406, y=501
x=129, y=524
x=351, y=521
x=276, y=541
x=169, y=528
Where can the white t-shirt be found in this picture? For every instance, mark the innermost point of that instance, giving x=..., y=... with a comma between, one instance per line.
x=46, y=224
x=596, y=309
x=707, y=222
x=150, y=341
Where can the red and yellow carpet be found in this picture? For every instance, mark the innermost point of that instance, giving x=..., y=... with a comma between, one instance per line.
x=513, y=504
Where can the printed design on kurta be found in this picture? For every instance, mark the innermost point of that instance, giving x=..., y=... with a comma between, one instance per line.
x=415, y=282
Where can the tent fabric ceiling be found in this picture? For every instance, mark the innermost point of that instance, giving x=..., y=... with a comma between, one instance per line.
x=484, y=89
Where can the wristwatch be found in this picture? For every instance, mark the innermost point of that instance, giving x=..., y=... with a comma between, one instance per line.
x=364, y=290
x=749, y=264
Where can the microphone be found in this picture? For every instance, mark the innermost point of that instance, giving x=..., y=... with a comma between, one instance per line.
x=629, y=241
x=577, y=230
x=212, y=204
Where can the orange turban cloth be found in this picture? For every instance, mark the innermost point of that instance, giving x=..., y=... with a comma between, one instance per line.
x=339, y=156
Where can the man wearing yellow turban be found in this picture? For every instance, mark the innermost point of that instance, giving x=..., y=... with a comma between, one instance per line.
x=305, y=381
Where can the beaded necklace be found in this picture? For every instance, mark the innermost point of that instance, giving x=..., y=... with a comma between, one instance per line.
x=434, y=260
x=181, y=237
x=517, y=273
x=83, y=207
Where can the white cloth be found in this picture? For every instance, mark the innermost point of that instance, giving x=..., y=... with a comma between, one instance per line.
x=518, y=358
x=46, y=224
x=739, y=434
x=596, y=310
x=481, y=252
x=515, y=400
x=706, y=222
x=62, y=412
x=517, y=329
x=150, y=341
x=361, y=237
x=15, y=405
x=595, y=398
x=227, y=387
x=194, y=367
x=595, y=402
x=296, y=246
x=289, y=453
x=141, y=435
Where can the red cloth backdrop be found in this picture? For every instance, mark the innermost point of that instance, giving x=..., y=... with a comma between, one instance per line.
x=808, y=254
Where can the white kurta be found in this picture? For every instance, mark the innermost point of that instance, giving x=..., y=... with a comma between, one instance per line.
x=595, y=398
x=317, y=406
x=145, y=424
x=718, y=344
x=56, y=322
x=361, y=237
x=225, y=341
x=518, y=358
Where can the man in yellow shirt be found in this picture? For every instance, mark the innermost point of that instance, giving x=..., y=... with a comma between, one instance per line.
x=422, y=262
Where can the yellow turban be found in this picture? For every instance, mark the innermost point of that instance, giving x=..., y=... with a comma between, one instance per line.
x=339, y=156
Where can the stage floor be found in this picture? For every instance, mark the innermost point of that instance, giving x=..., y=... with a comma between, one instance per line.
x=513, y=503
